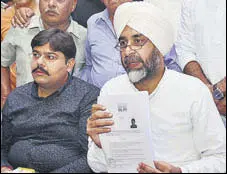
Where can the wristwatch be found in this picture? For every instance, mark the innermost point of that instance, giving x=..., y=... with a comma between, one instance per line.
x=217, y=93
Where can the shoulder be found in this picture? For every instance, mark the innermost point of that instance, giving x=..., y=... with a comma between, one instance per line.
x=94, y=18
x=84, y=87
x=77, y=26
x=119, y=84
x=78, y=30
x=187, y=83
x=20, y=92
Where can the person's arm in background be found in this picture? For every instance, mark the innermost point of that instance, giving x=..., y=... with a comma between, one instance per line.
x=221, y=104
x=22, y=17
x=5, y=84
x=185, y=44
x=80, y=165
x=8, y=57
x=86, y=71
x=185, y=48
x=6, y=17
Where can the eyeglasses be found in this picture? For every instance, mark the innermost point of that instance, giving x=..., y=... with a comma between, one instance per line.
x=136, y=44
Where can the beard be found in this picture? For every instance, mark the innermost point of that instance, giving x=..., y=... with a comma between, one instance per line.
x=149, y=69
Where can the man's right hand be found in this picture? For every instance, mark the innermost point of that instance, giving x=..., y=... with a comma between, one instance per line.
x=97, y=121
x=22, y=17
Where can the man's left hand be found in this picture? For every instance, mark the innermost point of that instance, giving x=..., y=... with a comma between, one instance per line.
x=160, y=167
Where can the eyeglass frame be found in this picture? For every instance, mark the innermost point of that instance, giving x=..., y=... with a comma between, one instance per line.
x=130, y=46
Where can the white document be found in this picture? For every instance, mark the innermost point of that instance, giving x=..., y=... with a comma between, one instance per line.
x=129, y=141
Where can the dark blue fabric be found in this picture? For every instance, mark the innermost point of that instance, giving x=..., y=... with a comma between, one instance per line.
x=48, y=134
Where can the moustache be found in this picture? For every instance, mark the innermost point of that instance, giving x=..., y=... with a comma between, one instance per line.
x=40, y=69
x=52, y=11
x=132, y=59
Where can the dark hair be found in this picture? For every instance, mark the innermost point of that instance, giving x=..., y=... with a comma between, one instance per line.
x=58, y=40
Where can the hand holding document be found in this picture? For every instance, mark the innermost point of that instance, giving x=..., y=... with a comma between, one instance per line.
x=129, y=141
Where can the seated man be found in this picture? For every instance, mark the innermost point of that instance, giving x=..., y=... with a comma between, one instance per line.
x=44, y=122
x=15, y=47
x=103, y=61
x=187, y=133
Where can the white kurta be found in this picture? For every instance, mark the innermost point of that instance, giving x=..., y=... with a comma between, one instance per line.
x=202, y=37
x=187, y=130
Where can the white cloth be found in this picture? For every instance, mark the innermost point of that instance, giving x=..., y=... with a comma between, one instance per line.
x=187, y=130
x=171, y=8
x=147, y=19
x=202, y=37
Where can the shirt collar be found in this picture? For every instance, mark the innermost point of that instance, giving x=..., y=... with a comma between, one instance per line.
x=36, y=22
x=160, y=84
x=34, y=91
x=104, y=17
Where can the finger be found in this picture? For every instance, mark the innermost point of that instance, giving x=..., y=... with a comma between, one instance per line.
x=163, y=166
x=21, y=18
x=140, y=170
x=95, y=131
x=148, y=169
x=13, y=22
x=96, y=107
x=17, y=21
x=100, y=115
x=99, y=123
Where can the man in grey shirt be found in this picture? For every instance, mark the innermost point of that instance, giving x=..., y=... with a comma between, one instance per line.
x=44, y=122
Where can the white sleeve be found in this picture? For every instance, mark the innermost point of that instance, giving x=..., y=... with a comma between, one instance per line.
x=185, y=43
x=96, y=158
x=8, y=48
x=209, y=135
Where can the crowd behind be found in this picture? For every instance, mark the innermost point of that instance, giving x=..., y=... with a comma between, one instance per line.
x=58, y=56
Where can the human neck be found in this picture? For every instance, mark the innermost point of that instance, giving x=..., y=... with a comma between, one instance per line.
x=111, y=19
x=111, y=16
x=150, y=84
x=45, y=91
x=62, y=26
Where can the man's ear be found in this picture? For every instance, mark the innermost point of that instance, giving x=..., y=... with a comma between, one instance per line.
x=74, y=5
x=70, y=64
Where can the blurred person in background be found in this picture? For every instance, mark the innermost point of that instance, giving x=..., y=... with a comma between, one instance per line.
x=201, y=46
